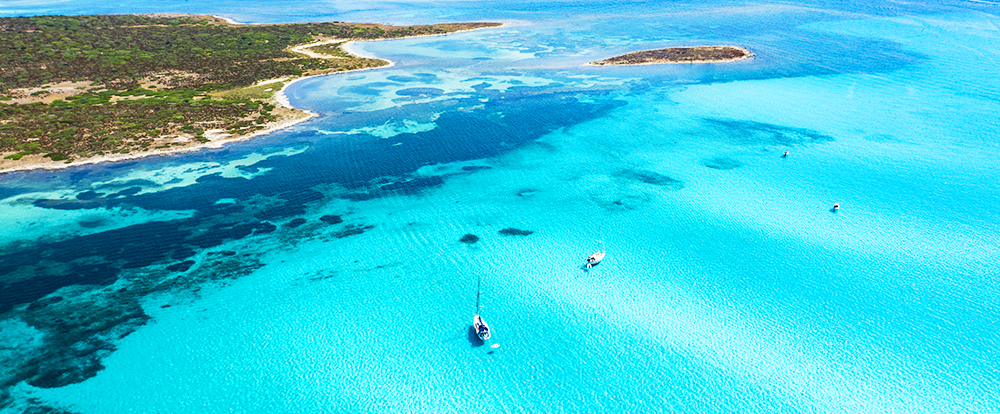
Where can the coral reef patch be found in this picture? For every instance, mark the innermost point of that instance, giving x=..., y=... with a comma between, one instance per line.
x=296, y=222
x=83, y=322
x=654, y=178
x=510, y=231
x=330, y=219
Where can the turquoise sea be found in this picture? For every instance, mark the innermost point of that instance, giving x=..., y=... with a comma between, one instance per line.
x=320, y=268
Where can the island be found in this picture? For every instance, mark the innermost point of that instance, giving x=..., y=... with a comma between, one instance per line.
x=77, y=89
x=697, y=54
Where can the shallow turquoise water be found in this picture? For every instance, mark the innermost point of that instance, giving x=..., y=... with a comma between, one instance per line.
x=319, y=269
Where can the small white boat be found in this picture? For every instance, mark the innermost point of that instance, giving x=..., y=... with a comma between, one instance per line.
x=482, y=329
x=595, y=259
x=836, y=206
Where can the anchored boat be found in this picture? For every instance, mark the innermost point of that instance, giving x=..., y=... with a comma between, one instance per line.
x=595, y=259
x=482, y=329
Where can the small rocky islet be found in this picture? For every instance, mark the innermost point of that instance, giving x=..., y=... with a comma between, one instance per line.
x=696, y=54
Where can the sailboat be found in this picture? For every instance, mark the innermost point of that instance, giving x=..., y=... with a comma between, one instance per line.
x=482, y=329
x=596, y=257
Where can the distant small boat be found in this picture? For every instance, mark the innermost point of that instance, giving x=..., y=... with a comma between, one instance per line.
x=836, y=206
x=478, y=324
x=784, y=155
x=595, y=259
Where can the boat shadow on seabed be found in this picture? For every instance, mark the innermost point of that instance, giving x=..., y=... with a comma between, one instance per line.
x=474, y=340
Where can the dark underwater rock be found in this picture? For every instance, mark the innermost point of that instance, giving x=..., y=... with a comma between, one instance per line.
x=69, y=204
x=266, y=227
x=126, y=192
x=331, y=219
x=651, y=177
x=510, y=231
x=295, y=223
x=294, y=204
x=722, y=163
x=84, y=326
x=469, y=239
x=352, y=230
x=90, y=224
x=88, y=195
x=80, y=332
x=220, y=233
x=46, y=282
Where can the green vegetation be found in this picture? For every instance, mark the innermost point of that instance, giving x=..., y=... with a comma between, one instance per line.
x=332, y=49
x=118, y=51
x=88, y=124
x=265, y=91
x=152, y=76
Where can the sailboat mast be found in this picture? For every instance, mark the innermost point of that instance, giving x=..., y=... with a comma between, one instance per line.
x=600, y=234
x=479, y=283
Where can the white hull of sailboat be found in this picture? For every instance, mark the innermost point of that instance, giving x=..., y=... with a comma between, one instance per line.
x=595, y=259
x=482, y=329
